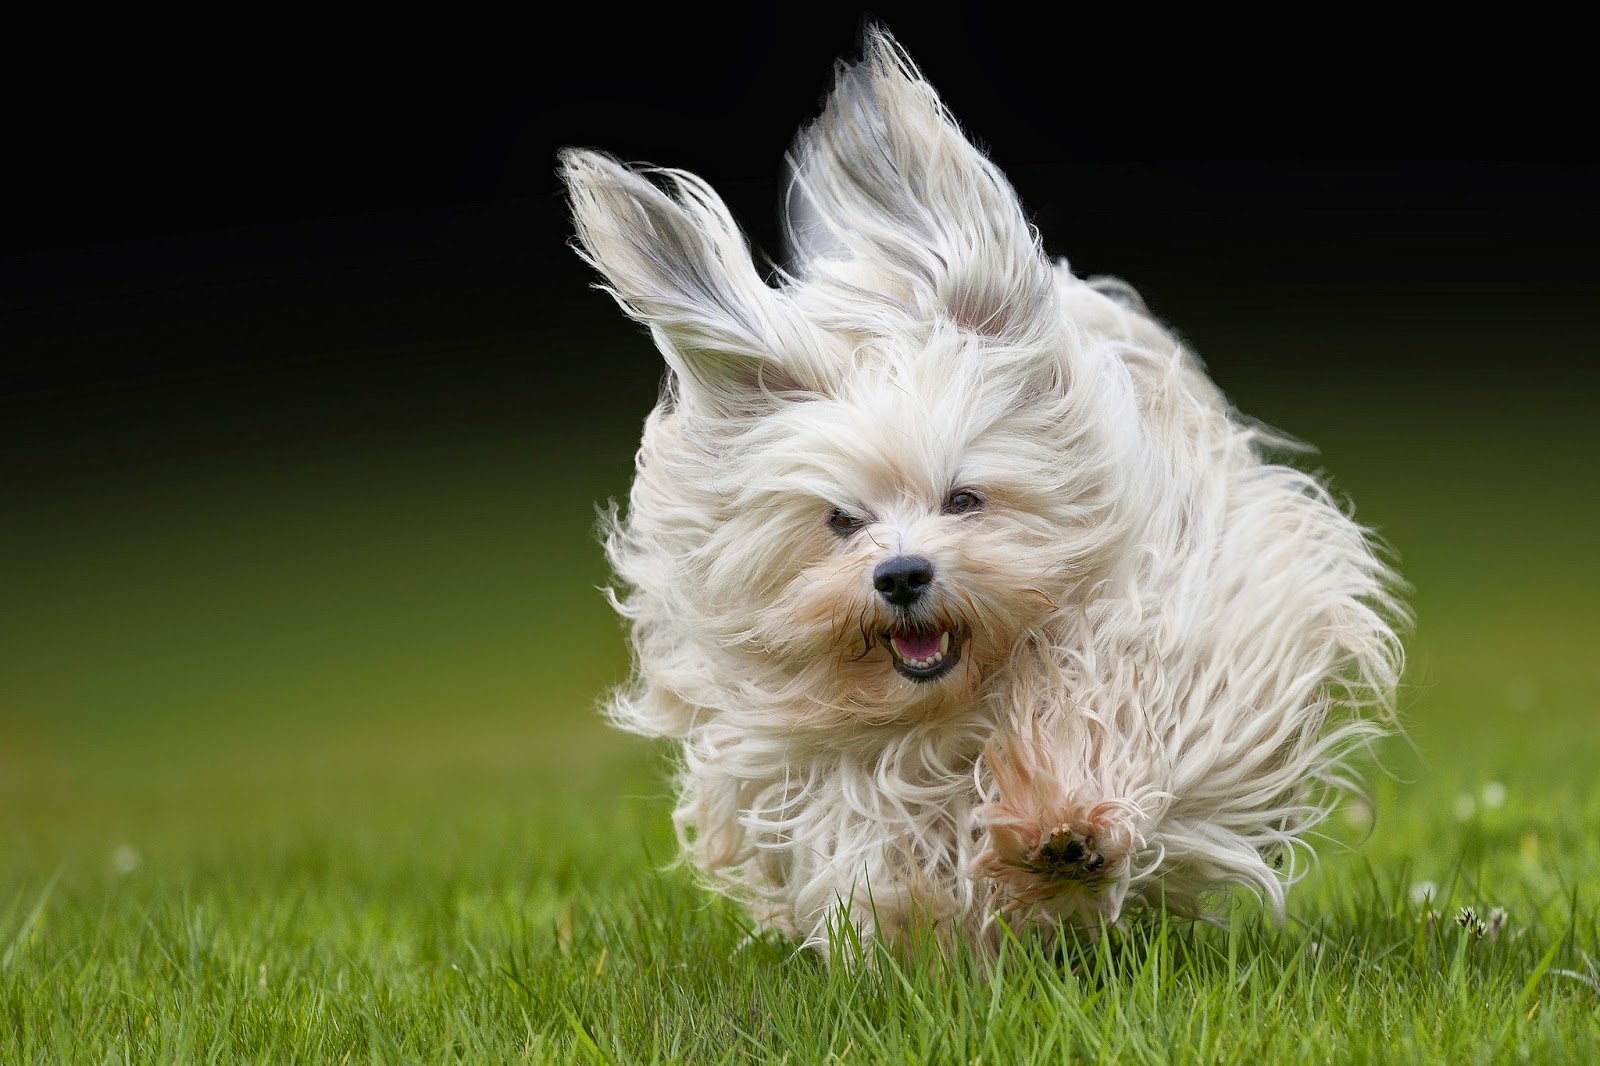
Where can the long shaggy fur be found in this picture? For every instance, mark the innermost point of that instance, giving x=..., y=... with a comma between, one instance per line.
x=1168, y=645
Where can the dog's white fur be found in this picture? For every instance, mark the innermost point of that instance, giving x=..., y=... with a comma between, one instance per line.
x=1168, y=643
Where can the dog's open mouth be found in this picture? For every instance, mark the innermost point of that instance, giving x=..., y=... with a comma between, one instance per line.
x=923, y=654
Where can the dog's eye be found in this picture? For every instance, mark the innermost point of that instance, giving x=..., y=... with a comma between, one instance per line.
x=843, y=523
x=961, y=502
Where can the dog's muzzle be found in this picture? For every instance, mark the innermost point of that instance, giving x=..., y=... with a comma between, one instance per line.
x=919, y=651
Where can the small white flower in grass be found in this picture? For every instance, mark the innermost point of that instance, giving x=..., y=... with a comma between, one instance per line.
x=1358, y=814
x=1497, y=920
x=1466, y=807
x=1468, y=919
x=1424, y=892
x=1493, y=795
x=125, y=859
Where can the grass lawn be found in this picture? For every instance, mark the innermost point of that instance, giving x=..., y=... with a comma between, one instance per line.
x=298, y=762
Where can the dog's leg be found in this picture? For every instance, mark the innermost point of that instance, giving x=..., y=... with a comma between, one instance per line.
x=1054, y=842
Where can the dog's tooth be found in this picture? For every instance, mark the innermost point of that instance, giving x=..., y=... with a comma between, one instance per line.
x=944, y=643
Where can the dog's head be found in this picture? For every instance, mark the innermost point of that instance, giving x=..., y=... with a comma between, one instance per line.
x=868, y=483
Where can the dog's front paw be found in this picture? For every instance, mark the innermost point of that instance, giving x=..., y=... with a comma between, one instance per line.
x=1066, y=854
x=1071, y=867
x=1034, y=859
x=1048, y=846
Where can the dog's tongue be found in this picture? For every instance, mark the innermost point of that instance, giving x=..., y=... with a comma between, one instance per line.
x=916, y=644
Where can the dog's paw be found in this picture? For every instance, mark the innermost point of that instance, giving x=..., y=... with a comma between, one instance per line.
x=1065, y=853
x=1069, y=862
x=1037, y=859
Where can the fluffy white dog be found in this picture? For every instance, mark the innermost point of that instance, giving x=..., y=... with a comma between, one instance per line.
x=964, y=593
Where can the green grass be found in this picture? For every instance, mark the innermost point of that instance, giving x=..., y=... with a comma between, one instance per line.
x=302, y=765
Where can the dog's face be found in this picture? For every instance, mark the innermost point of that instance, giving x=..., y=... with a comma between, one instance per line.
x=895, y=538
x=867, y=485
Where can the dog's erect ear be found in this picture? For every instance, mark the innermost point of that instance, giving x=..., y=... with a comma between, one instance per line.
x=675, y=260
x=886, y=177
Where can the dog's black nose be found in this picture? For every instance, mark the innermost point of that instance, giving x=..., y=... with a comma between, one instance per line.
x=901, y=580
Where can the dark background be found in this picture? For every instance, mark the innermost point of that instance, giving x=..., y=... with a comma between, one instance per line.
x=302, y=202
x=290, y=230
x=303, y=383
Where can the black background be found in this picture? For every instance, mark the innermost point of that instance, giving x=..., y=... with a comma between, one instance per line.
x=259, y=238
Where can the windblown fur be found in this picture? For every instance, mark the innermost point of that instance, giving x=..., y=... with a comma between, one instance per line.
x=1162, y=645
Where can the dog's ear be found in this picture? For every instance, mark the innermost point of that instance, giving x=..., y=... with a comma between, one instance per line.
x=674, y=259
x=886, y=177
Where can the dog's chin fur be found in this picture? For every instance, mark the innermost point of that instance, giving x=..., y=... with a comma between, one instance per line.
x=1166, y=646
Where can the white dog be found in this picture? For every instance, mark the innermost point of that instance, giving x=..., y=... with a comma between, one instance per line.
x=962, y=590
